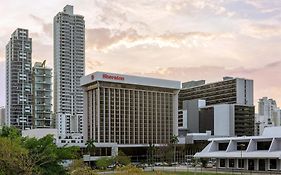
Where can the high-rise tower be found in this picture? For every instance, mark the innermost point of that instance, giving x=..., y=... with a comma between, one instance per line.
x=42, y=95
x=18, y=80
x=69, y=63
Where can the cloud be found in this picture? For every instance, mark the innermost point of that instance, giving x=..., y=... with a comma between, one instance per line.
x=195, y=6
x=103, y=39
x=2, y=56
x=261, y=31
x=265, y=6
x=92, y=65
x=41, y=51
x=46, y=27
x=266, y=78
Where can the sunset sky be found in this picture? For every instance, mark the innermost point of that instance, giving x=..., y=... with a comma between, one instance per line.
x=172, y=39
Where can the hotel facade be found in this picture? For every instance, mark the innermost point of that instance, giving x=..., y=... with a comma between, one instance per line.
x=129, y=111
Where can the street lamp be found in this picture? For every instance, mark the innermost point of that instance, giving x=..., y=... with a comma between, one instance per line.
x=241, y=148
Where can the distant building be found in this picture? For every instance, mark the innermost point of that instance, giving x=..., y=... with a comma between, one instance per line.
x=259, y=153
x=40, y=133
x=229, y=91
x=227, y=120
x=225, y=108
x=130, y=111
x=268, y=114
x=42, y=95
x=69, y=67
x=2, y=116
x=18, y=80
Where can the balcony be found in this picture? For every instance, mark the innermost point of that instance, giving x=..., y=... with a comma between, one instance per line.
x=43, y=111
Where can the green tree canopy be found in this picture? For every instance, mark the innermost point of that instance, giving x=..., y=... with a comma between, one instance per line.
x=23, y=155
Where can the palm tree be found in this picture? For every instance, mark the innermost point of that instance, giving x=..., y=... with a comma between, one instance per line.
x=90, y=146
x=151, y=150
x=174, y=140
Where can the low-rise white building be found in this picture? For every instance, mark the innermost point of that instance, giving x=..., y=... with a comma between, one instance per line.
x=65, y=140
x=260, y=153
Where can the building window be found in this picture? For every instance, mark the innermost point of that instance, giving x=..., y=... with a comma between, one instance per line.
x=272, y=164
x=231, y=163
x=223, y=146
x=263, y=145
x=222, y=163
x=240, y=163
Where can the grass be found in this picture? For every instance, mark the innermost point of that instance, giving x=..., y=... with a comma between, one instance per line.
x=178, y=173
x=181, y=173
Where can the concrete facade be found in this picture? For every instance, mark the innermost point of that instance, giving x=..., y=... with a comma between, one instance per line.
x=42, y=95
x=2, y=116
x=18, y=80
x=269, y=114
x=228, y=109
x=69, y=66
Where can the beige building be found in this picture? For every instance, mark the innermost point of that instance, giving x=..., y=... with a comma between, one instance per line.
x=129, y=110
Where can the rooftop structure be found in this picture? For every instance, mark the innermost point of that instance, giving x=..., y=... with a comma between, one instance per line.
x=249, y=152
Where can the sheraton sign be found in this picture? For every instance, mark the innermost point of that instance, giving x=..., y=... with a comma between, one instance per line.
x=113, y=77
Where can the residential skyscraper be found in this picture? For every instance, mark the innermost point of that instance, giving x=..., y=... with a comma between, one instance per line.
x=69, y=63
x=42, y=95
x=18, y=80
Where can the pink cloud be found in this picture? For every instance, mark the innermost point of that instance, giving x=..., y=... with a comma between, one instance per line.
x=266, y=79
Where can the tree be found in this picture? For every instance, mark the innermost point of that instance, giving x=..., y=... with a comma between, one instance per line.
x=10, y=132
x=122, y=158
x=47, y=156
x=13, y=158
x=151, y=150
x=90, y=146
x=174, y=140
x=104, y=162
x=23, y=155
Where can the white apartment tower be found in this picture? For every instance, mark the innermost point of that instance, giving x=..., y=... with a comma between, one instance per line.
x=18, y=80
x=69, y=61
x=42, y=95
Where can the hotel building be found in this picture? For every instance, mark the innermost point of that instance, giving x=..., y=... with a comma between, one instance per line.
x=18, y=80
x=129, y=111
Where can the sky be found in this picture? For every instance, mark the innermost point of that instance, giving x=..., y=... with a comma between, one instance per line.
x=172, y=39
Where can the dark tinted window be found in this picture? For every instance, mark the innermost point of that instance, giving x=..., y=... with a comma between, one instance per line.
x=263, y=145
x=223, y=146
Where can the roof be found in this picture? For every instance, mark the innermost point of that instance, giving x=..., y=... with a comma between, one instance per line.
x=129, y=79
x=272, y=134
